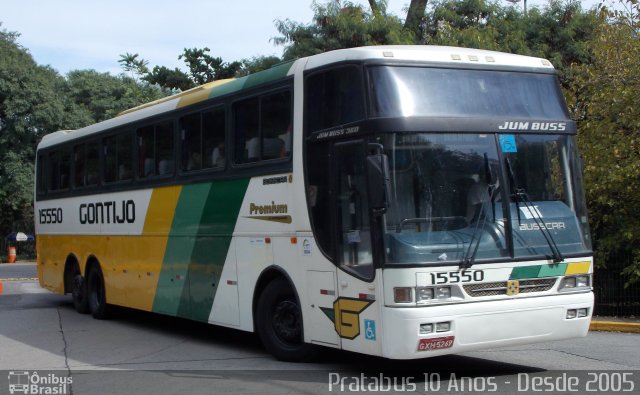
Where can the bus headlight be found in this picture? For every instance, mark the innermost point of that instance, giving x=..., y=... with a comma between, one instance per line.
x=572, y=283
x=427, y=294
x=424, y=294
x=443, y=292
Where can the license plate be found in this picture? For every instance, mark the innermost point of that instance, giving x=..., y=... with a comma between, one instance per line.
x=436, y=343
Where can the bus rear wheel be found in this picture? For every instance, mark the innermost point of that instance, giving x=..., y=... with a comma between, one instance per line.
x=96, y=293
x=79, y=293
x=279, y=323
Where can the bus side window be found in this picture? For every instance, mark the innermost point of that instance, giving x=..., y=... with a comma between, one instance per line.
x=246, y=118
x=263, y=128
x=213, y=133
x=146, y=151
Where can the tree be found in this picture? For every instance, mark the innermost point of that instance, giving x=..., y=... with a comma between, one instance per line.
x=416, y=18
x=202, y=68
x=131, y=63
x=103, y=96
x=36, y=100
x=605, y=102
x=558, y=32
x=31, y=105
x=338, y=25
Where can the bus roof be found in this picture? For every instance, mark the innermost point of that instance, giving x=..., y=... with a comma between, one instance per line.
x=408, y=53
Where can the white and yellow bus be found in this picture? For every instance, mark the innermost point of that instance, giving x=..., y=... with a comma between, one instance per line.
x=405, y=202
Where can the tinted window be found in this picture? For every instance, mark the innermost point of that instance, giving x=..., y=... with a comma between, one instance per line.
x=60, y=170
x=263, y=128
x=202, y=139
x=421, y=91
x=155, y=150
x=333, y=98
x=118, y=157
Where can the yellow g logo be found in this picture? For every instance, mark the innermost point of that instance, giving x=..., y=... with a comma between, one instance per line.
x=346, y=316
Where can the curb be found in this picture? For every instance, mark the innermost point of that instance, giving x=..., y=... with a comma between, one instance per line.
x=615, y=326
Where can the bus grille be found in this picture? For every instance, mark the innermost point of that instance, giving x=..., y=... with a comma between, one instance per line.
x=500, y=288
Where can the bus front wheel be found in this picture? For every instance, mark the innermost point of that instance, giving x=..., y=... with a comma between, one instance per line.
x=97, y=294
x=279, y=323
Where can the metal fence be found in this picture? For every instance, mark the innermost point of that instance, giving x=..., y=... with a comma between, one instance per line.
x=611, y=297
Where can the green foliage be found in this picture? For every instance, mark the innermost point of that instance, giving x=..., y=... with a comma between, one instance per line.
x=559, y=32
x=166, y=78
x=605, y=102
x=36, y=100
x=133, y=65
x=257, y=64
x=338, y=26
x=202, y=67
x=102, y=96
x=31, y=105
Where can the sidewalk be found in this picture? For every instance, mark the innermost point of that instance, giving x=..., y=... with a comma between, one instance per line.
x=615, y=324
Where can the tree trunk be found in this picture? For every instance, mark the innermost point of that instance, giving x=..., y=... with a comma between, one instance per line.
x=375, y=8
x=415, y=14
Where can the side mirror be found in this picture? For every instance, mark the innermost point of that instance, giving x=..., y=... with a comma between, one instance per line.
x=379, y=182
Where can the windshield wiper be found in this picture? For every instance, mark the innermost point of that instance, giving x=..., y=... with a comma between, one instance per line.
x=470, y=257
x=520, y=194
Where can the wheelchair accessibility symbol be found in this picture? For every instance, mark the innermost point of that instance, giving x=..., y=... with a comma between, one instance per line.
x=370, y=329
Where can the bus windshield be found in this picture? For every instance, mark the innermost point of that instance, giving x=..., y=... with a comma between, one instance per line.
x=449, y=200
x=438, y=92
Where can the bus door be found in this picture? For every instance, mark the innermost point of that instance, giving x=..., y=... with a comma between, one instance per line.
x=356, y=309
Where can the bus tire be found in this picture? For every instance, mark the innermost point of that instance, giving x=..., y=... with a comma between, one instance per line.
x=79, y=293
x=97, y=295
x=279, y=323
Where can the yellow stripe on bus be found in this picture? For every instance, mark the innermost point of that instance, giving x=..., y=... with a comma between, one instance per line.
x=131, y=265
x=578, y=268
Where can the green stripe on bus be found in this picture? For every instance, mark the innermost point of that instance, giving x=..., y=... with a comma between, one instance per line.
x=272, y=74
x=557, y=269
x=210, y=251
x=524, y=272
x=231, y=86
x=173, y=283
x=537, y=271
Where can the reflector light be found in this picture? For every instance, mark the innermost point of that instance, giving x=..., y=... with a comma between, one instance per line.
x=402, y=295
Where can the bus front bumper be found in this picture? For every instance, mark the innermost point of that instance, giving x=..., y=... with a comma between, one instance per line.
x=482, y=325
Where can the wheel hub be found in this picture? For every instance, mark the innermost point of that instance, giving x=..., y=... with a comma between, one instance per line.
x=286, y=321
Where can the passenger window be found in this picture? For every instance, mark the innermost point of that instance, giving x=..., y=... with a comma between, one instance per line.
x=213, y=132
x=59, y=170
x=191, y=137
x=247, y=116
x=79, y=165
x=155, y=150
x=118, y=158
x=164, y=148
x=276, y=126
x=92, y=164
x=146, y=152
x=263, y=128
x=202, y=138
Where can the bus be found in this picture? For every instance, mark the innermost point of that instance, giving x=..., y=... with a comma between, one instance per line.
x=397, y=201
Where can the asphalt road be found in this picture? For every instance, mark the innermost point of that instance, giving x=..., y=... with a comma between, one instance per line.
x=17, y=270
x=138, y=352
